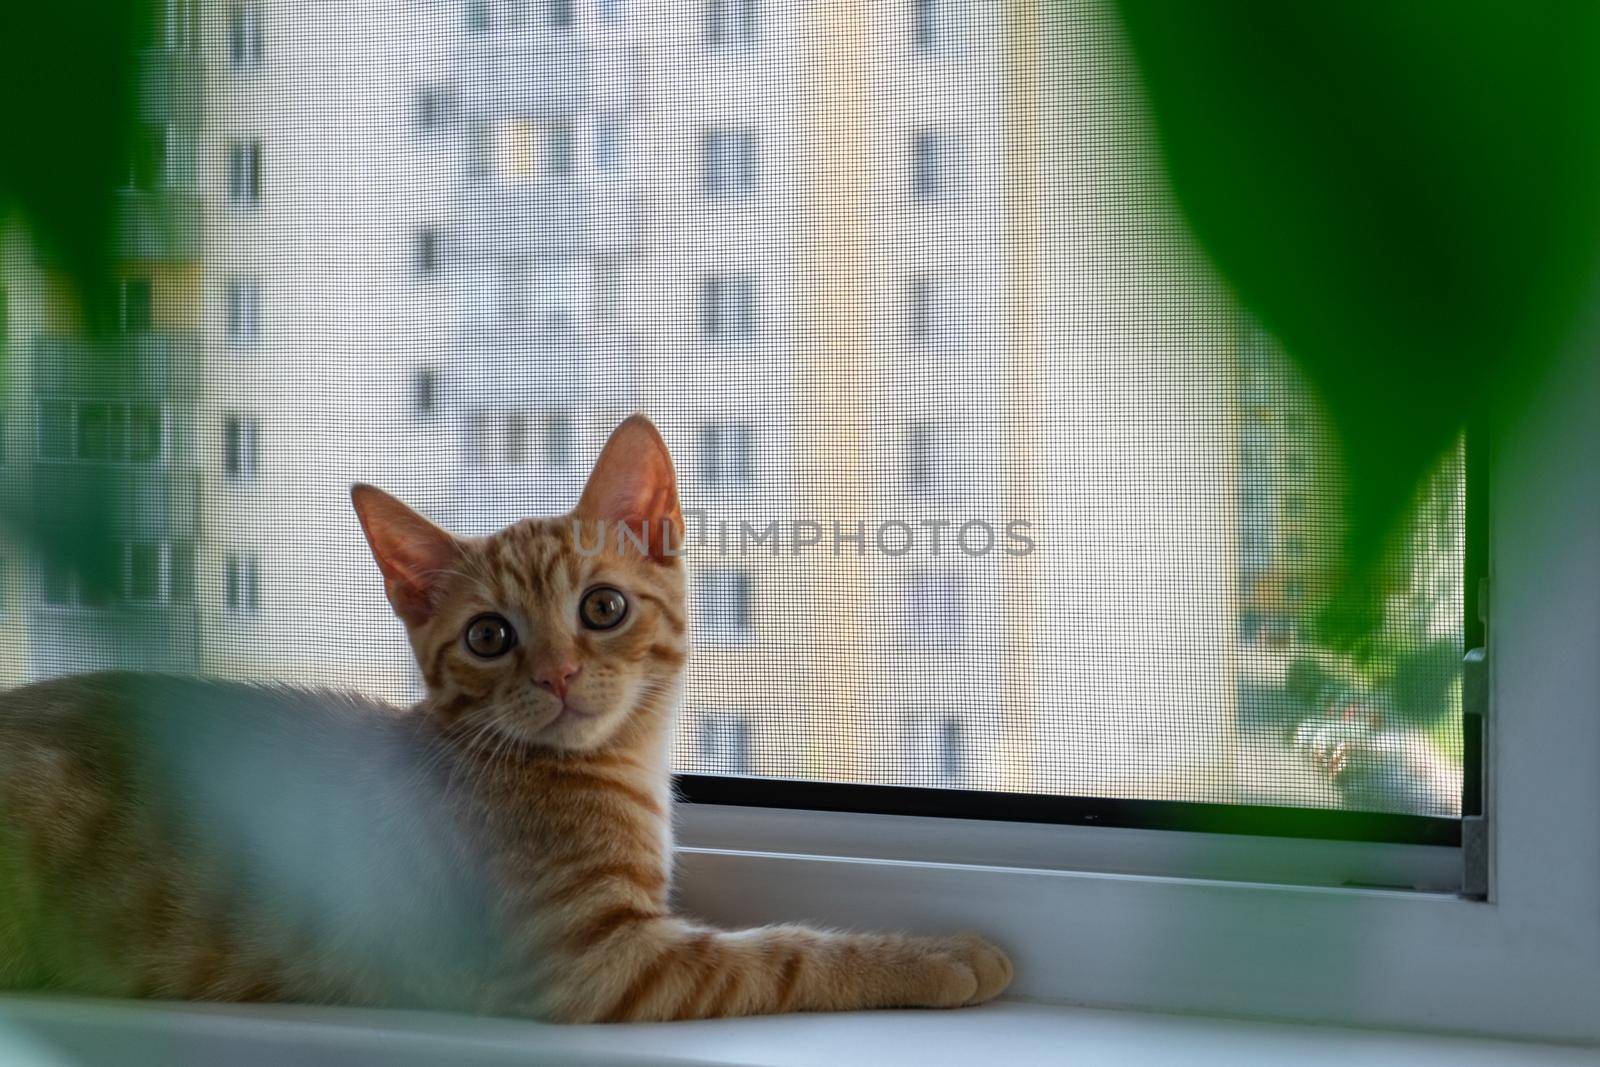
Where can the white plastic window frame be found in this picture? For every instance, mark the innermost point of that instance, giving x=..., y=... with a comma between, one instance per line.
x=1270, y=928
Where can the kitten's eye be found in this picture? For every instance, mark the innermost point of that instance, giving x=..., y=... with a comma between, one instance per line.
x=602, y=608
x=489, y=636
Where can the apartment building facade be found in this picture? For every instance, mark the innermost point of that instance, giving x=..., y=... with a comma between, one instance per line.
x=870, y=265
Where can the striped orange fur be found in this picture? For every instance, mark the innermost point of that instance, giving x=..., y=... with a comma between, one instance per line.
x=503, y=847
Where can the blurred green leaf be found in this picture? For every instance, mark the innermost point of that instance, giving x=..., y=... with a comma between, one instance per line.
x=1406, y=194
x=69, y=73
x=69, y=113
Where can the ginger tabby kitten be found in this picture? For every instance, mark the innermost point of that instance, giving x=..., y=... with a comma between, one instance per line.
x=503, y=847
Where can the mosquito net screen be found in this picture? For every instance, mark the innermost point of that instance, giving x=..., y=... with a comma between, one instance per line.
x=989, y=482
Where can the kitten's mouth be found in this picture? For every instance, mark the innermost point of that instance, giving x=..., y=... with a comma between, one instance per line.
x=568, y=713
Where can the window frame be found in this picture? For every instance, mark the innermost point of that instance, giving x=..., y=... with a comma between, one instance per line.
x=246, y=36
x=731, y=25
x=143, y=309
x=244, y=173
x=179, y=26
x=241, y=311
x=1086, y=925
x=930, y=164
x=424, y=400
x=724, y=618
x=241, y=584
x=730, y=161
x=728, y=307
x=727, y=454
x=1282, y=822
x=427, y=252
x=241, y=448
x=557, y=434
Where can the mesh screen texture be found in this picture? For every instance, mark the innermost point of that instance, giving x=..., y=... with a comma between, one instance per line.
x=991, y=484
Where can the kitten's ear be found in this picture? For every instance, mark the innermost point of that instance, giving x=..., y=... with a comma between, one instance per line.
x=633, y=484
x=412, y=552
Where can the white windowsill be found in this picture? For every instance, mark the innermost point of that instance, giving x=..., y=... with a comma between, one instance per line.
x=62, y=1031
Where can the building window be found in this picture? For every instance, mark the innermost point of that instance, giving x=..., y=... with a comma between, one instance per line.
x=138, y=306
x=433, y=107
x=558, y=153
x=927, y=164
x=950, y=751
x=605, y=287
x=179, y=25
x=933, y=26
x=935, y=750
x=558, y=291
x=241, y=584
x=525, y=150
x=180, y=161
x=610, y=149
x=559, y=14
x=513, y=150
x=102, y=431
x=726, y=454
x=146, y=168
x=144, y=571
x=725, y=743
x=244, y=173
x=245, y=34
x=926, y=314
x=55, y=429
x=145, y=432
x=516, y=439
x=180, y=573
x=513, y=285
x=923, y=456
x=242, y=310
x=165, y=158
x=729, y=162
x=728, y=307
x=935, y=609
x=423, y=387
x=558, y=440
x=475, y=438
x=240, y=441
x=428, y=252
x=56, y=580
x=610, y=9
x=732, y=23
x=722, y=604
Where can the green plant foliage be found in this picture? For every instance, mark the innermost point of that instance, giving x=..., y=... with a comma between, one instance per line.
x=1406, y=194
x=69, y=82
x=69, y=72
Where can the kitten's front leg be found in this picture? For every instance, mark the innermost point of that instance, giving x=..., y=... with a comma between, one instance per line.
x=669, y=969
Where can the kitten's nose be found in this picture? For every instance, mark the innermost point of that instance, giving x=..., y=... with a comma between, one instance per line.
x=556, y=676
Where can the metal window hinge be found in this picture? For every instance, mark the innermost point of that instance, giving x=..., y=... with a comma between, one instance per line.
x=1475, y=843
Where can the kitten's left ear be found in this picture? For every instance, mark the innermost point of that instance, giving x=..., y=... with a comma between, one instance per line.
x=633, y=485
x=413, y=553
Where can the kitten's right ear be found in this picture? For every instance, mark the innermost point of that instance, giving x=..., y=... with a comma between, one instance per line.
x=412, y=552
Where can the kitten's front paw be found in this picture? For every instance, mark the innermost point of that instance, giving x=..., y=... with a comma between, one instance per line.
x=990, y=966
x=970, y=970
